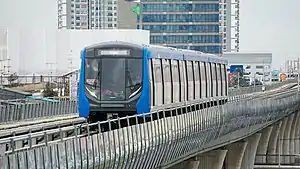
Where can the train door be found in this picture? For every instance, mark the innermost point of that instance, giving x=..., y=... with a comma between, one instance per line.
x=203, y=77
x=190, y=80
x=209, y=82
x=197, y=80
x=158, y=81
x=176, y=82
x=167, y=81
x=219, y=79
x=182, y=80
x=152, y=83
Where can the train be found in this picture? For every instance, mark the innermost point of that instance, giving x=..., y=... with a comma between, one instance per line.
x=120, y=79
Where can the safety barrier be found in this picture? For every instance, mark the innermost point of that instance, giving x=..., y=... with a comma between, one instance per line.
x=16, y=111
x=151, y=143
x=252, y=89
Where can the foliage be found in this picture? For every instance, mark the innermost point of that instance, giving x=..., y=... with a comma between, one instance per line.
x=48, y=91
x=238, y=79
x=12, y=77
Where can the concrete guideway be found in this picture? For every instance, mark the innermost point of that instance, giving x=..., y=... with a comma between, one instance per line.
x=43, y=125
x=29, y=122
x=164, y=142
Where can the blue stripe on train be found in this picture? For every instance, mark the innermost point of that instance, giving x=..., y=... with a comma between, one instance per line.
x=83, y=103
x=143, y=104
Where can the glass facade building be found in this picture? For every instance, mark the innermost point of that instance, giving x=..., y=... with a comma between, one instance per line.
x=183, y=24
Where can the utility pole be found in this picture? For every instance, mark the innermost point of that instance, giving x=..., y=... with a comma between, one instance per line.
x=263, y=87
x=298, y=75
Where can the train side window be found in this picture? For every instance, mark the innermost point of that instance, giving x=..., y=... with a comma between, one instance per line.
x=157, y=72
x=158, y=82
x=175, y=71
x=175, y=78
x=167, y=75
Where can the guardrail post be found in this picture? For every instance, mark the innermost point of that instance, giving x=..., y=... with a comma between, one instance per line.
x=2, y=155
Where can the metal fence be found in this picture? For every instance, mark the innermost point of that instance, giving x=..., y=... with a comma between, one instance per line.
x=17, y=111
x=151, y=143
x=252, y=89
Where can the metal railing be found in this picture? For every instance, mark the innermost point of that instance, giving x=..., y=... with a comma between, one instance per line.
x=157, y=140
x=277, y=159
x=252, y=89
x=18, y=111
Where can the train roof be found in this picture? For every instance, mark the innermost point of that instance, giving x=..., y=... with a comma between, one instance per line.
x=163, y=52
x=183, y=54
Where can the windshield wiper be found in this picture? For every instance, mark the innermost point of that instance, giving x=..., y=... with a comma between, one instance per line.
x=134, y=85
x=97, y=80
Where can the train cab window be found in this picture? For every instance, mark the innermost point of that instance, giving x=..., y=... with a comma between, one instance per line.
x=134, y=76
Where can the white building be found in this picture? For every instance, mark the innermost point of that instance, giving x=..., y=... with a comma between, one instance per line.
x=87, y=14
x=255, y=64
x=46, y=52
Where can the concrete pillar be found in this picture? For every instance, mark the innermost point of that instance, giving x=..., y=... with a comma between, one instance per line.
x=235, y=154
x=297, y=136
x=261, y=153
x=250, y=152
x=212, y=160
x=279, y=149
x=286, y=139
x=273, y=142
x=292, y=137
x=188, y=164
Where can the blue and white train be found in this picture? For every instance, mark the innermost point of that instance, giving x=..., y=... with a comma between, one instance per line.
x=121, y=78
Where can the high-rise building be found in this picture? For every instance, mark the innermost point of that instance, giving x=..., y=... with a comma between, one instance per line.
x=229, y=25
x=206, y=25
x=182, y=24
x=87, y=14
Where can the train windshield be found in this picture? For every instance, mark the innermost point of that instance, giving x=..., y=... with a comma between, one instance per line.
x=113, y=78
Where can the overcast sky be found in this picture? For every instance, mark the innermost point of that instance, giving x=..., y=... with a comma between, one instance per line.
x=266, y=25
x=271, y=26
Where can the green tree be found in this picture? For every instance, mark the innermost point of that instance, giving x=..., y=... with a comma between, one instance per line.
x=48, y=91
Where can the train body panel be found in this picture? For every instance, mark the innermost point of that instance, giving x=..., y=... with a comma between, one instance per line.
x=167, y=78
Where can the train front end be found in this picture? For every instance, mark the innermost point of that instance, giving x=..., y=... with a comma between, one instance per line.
x=111, y=80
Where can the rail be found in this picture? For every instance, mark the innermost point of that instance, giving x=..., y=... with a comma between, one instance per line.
x=151, y=143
